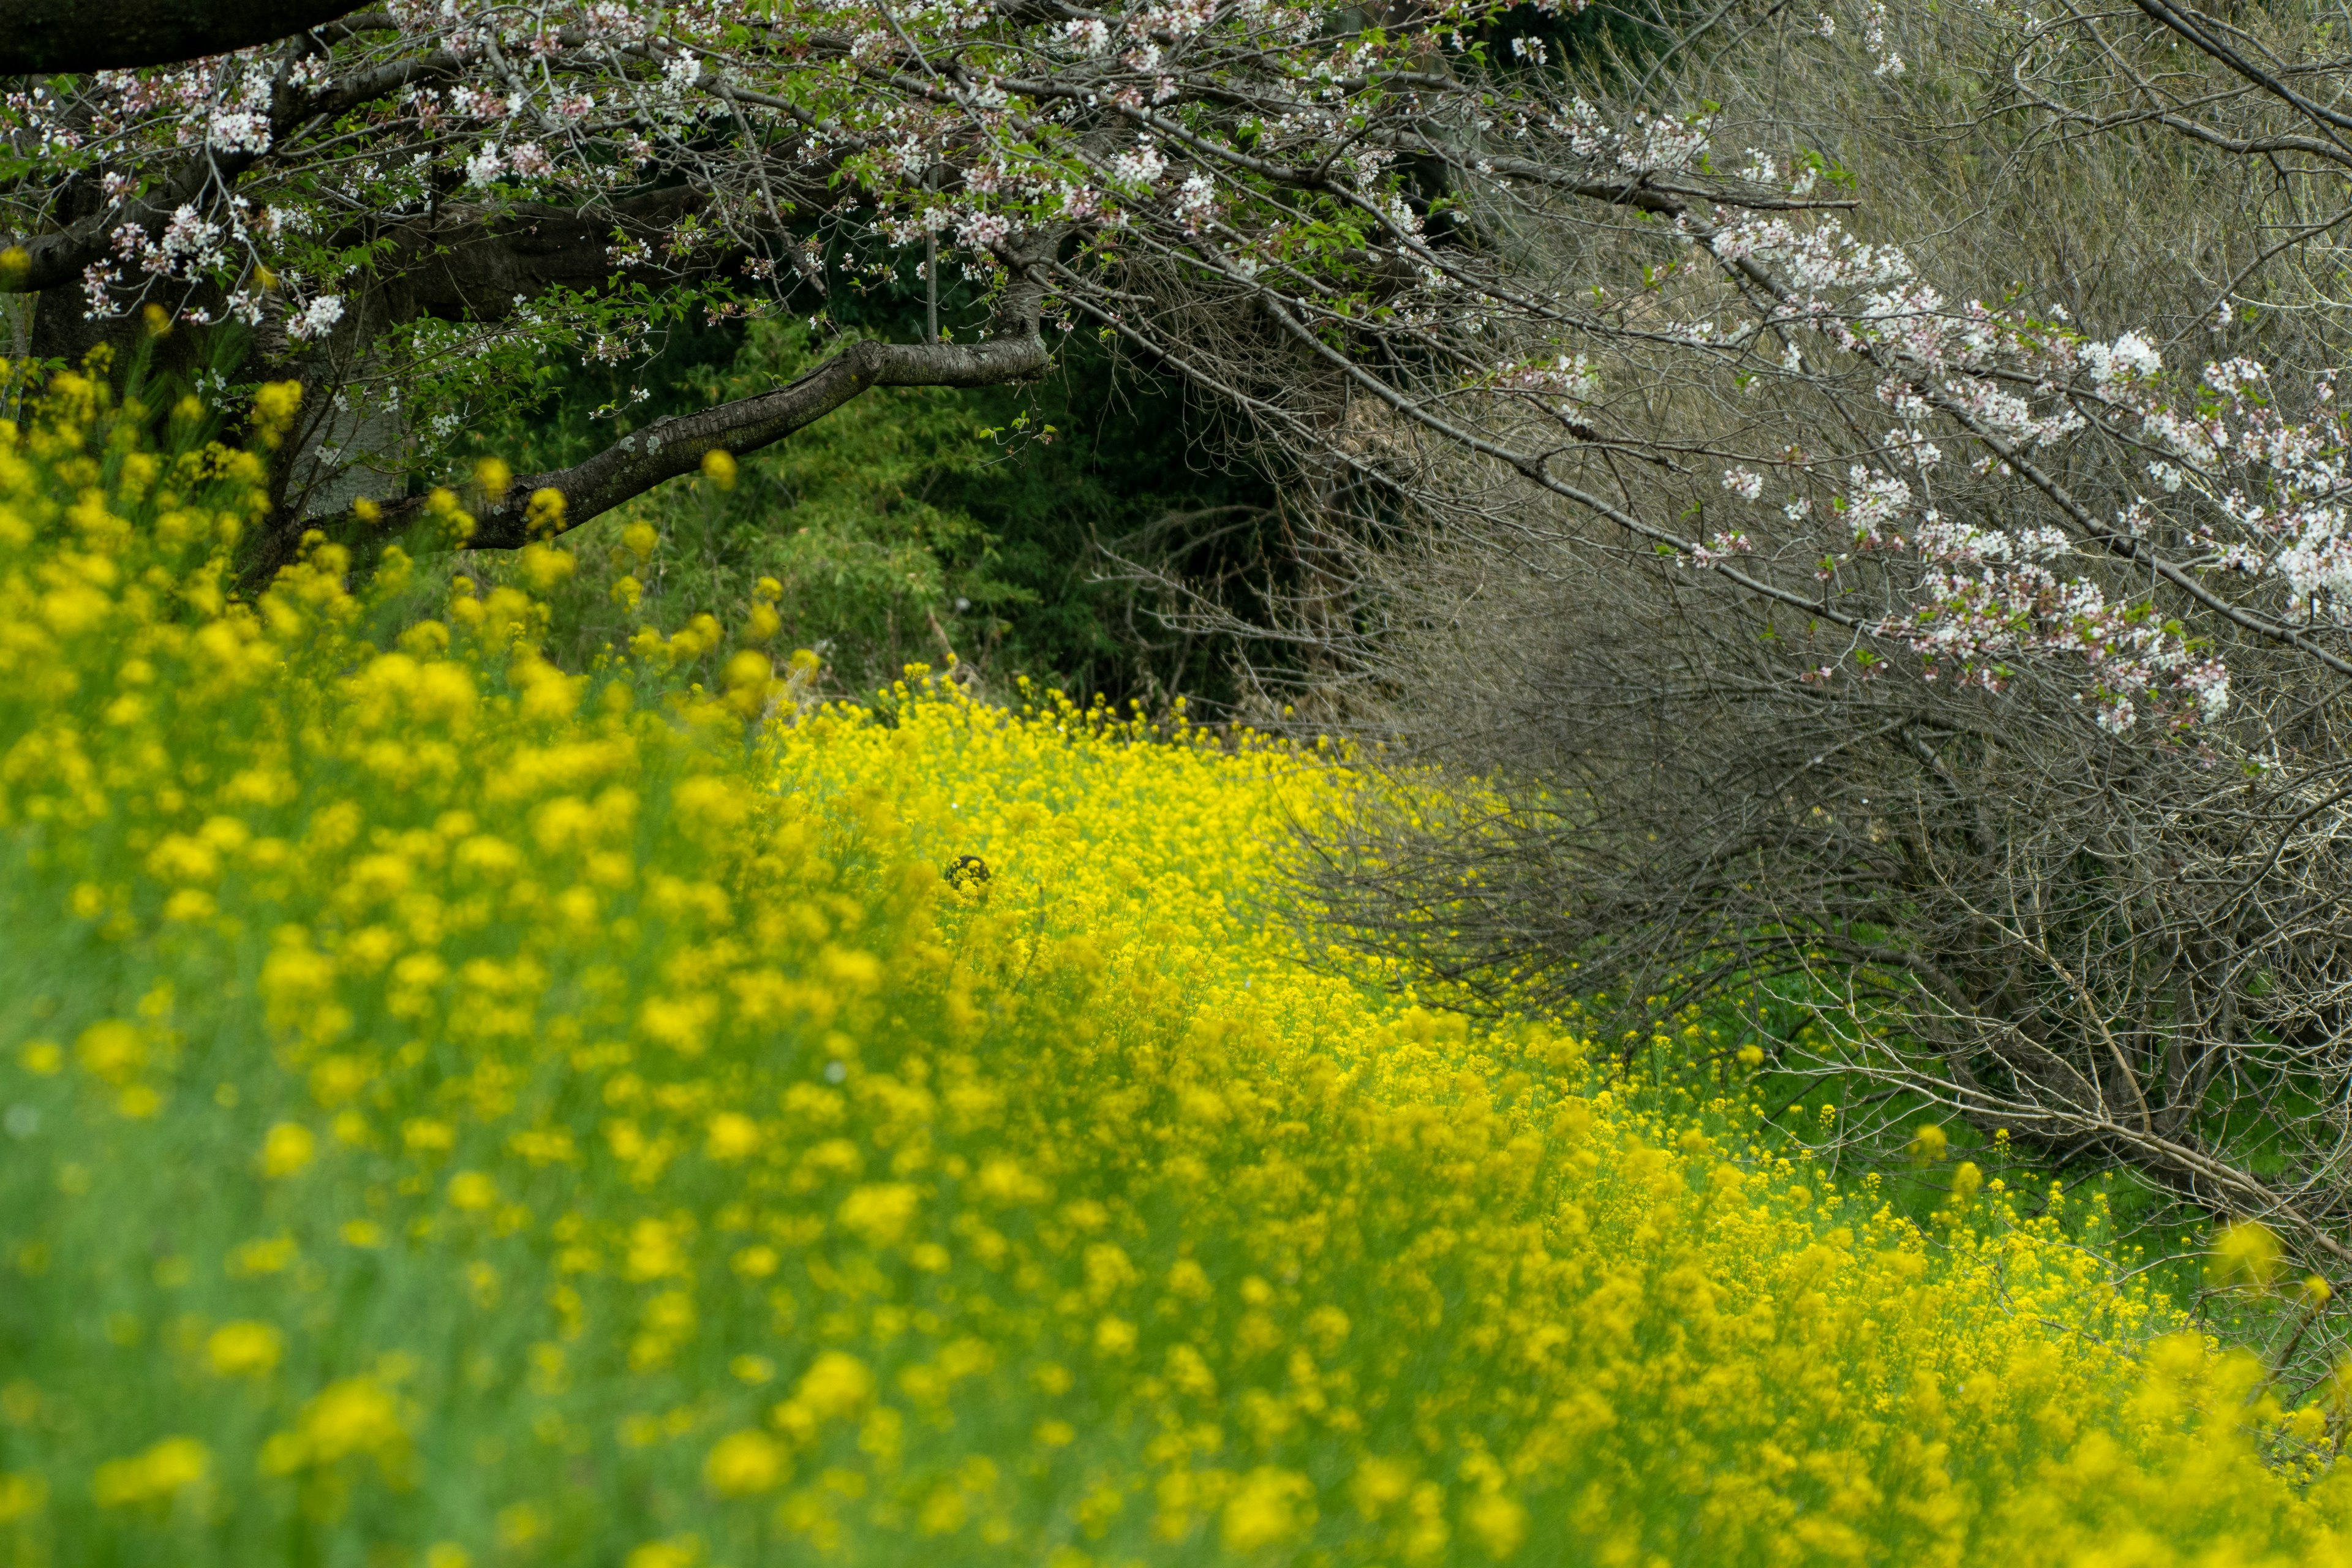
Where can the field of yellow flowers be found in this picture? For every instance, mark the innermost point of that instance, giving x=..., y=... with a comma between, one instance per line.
x=456, y=1112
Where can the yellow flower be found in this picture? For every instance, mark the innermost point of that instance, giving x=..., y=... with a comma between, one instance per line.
x=679, y=1551
x=880, y=1212
x=357, y=1416
x=712, y=998
x=262, y=1256
x=245, y=1349
x=545, y=515
x=286, y=1149
x=2246, y=1253
x=1966, y=1181
x=112, y=1051
x=274, y=407
x=1114, y=1337
x=835, y=1384
x=1498, y=1522
x=732, y=1136
x=471, y=1192
x=156, y=1476
x=747, y=1462
x=22, y=1495
x=1270, y=1505
x=1378, y=1483
x=521, y=1525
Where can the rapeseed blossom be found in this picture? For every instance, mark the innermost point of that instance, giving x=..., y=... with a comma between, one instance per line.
x=465, y=1111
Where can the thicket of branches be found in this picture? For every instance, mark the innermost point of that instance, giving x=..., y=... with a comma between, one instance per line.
x=1978, y=671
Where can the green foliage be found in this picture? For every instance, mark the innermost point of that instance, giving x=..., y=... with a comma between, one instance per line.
x=909, y=521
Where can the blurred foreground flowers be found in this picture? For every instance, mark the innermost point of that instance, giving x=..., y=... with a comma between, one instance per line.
x=460, y=1112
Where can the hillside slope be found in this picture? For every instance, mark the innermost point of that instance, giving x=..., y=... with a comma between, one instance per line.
x=460, y=1112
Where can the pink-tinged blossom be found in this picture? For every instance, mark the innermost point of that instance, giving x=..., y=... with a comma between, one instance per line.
x=1873, y=505
x=96, y=280
x=984, y=231
x=315, y=320
x=2129, y=358
x=474, y=104
x=1721, y=547
x=2197, y=441
x=1569, y=377
x=238, y=132
x=1141, y=167
x=191, y=242
x=2236, y=378
x=1656, y=144
x=2209, y=682
x=1196, y=202
x=277, y=220
x=2002, y=414
x=1745, y=483
x=1873, y=41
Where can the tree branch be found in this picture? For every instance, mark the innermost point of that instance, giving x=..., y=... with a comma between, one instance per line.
x=61, y=36
x=47, y=260
x=674, y=447
x=462, y=265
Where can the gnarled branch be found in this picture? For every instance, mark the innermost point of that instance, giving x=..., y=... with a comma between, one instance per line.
x=59, y=36
x=669, y=449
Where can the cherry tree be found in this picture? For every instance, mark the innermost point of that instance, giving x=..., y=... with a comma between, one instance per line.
x=1324, y=217
x=402, y=206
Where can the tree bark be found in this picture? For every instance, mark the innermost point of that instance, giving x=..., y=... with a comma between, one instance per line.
x=60, y=36
x=671, y=447
x=676, y=445
x=473, y=267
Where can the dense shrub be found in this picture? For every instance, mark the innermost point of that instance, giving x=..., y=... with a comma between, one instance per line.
x=1007, y=524
x=458, y=1111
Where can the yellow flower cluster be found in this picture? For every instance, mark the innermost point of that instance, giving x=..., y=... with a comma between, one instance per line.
x=460, y=1112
